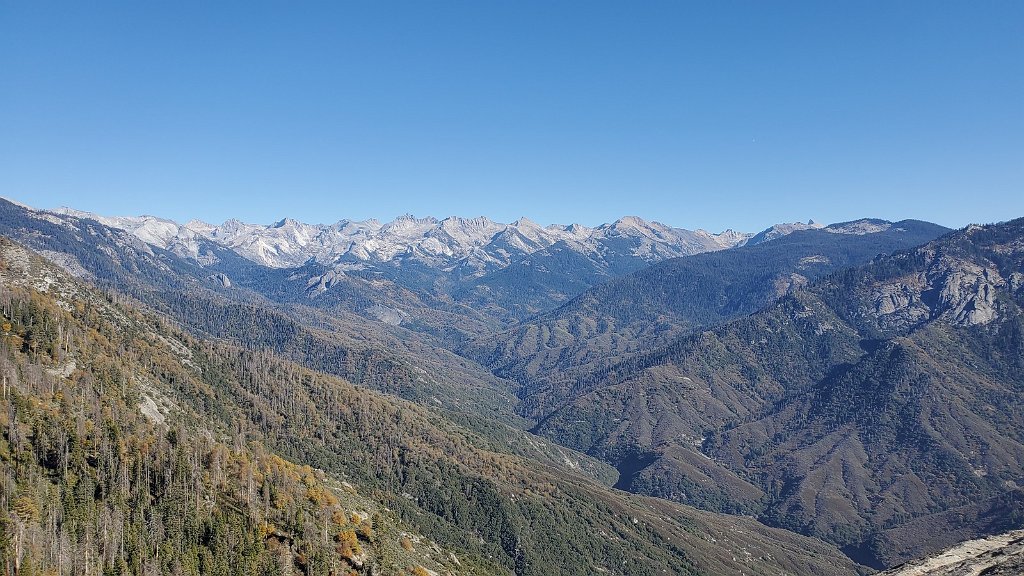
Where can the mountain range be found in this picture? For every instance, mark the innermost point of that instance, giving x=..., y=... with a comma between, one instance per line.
x=630, y=398
x=474, y=245
x=491, y=274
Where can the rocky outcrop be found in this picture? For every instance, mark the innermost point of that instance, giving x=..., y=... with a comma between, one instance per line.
x=955, y=289
x=1001, y=555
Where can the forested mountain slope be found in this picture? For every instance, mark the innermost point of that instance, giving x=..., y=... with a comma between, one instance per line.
x=340, y=346
x=106, y=471
x=880, y=408
x=117, y=419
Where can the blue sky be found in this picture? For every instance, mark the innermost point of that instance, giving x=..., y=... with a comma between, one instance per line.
x=711, y=114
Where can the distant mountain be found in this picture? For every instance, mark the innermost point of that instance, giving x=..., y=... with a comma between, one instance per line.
x=640, y=311
x=780, y=230
x=473, y=245
x=879, y=408
x=113, y=256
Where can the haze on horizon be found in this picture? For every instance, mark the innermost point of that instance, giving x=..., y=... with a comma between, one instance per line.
x=697, y=116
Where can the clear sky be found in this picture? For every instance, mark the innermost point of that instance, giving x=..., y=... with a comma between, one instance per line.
x=708, y=114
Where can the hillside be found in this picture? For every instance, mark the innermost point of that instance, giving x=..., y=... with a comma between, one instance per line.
x=106, y=472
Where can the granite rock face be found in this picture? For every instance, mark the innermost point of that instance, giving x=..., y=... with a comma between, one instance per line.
x=961, y=291
x=1001, y=555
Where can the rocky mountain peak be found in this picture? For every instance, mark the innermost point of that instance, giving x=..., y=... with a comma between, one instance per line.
x=779, y=230
x=627, y=222
x=524, y=222
x=286, y=223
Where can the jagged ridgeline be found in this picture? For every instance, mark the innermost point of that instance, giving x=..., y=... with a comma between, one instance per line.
x=130, y=447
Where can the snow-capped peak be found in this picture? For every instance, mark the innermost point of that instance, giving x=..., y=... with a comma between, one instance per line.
x=780, y=230
x=477, y=243
x=468, y=243
x=524, y=222
x=631, y=222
